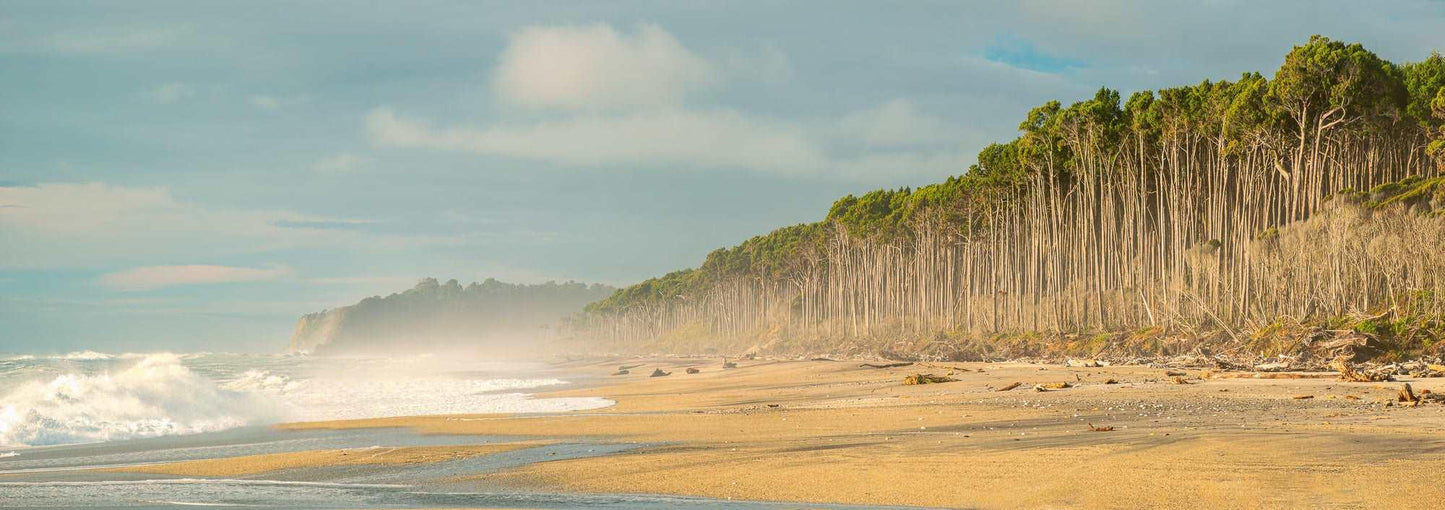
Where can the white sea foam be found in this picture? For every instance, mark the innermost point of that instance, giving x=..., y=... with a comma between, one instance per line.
x=163, y=394
x=155, y=396
x=85, y=356
x=261, y=380
x=349, y=397
x=7, y=455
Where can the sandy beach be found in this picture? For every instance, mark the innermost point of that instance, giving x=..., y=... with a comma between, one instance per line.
x=836, y=432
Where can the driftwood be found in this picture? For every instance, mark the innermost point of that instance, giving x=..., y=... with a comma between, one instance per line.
x=1106, y=428
x=886, y=365
x=1275, y=375
x=1349, y=373
x=1011, y=386
x=657, y=372
x=1052, y=386
x=926, y=379
x=1407, y=395
x=621, y=372
x=692, y=370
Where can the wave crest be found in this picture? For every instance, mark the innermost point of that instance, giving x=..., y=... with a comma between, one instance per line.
x=155, y=396
x=86, y=356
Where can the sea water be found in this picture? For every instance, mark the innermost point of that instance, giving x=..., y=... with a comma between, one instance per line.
x=64, y=420
x=74, y=476
x=89, y=396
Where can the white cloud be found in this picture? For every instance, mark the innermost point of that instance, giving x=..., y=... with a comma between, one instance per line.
x=717, y=138
x=264, y=102
x=897, y=123
x=597, y=68
x=624, y=101
x=340, y=163
x=723, y=139
x=80, y=209
x=154, y=277
x=171, y=93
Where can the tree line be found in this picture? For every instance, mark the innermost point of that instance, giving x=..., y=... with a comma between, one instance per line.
x=1221, y=207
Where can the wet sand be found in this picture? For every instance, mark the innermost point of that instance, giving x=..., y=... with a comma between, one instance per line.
x=832, y=432
x=377, y=456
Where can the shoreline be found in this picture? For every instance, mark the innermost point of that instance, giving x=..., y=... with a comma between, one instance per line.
x=839, y=432
x=832, y=432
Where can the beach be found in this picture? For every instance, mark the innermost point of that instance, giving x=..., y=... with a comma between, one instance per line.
x=836, y=432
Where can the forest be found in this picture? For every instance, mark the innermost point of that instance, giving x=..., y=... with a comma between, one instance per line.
x=490, y=316
x=1251, y=214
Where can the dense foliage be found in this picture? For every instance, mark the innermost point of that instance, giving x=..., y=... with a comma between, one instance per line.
x=1095, y=217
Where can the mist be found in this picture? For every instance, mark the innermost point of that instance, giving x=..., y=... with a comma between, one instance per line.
x=487, y=320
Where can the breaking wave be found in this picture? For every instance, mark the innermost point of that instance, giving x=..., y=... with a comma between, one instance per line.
x=344, y=398
x=86, y=356
x=156, y=396
x=102, y=397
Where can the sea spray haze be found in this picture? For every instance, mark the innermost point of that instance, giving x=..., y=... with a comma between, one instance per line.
x=89, y=397
x=486, y=320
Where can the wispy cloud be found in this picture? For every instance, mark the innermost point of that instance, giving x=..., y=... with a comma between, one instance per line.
x=898, y=123
x=721, y=139
x=154, y=277
x=265, y=102
x=82, y=224
x=340, y=163
x=171, y=93
x=718, y=139
x=626, y=103
x=322, y=224
x=115, y=39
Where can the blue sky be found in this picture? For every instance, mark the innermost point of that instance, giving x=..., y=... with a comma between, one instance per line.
x=195, y=175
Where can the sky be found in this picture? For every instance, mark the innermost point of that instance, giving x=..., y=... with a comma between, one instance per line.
x=193, y=176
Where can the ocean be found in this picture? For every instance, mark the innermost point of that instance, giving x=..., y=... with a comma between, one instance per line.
x=65, y=419
x=87, y=396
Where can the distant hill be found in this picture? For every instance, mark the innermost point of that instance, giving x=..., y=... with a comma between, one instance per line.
x=445, y=317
